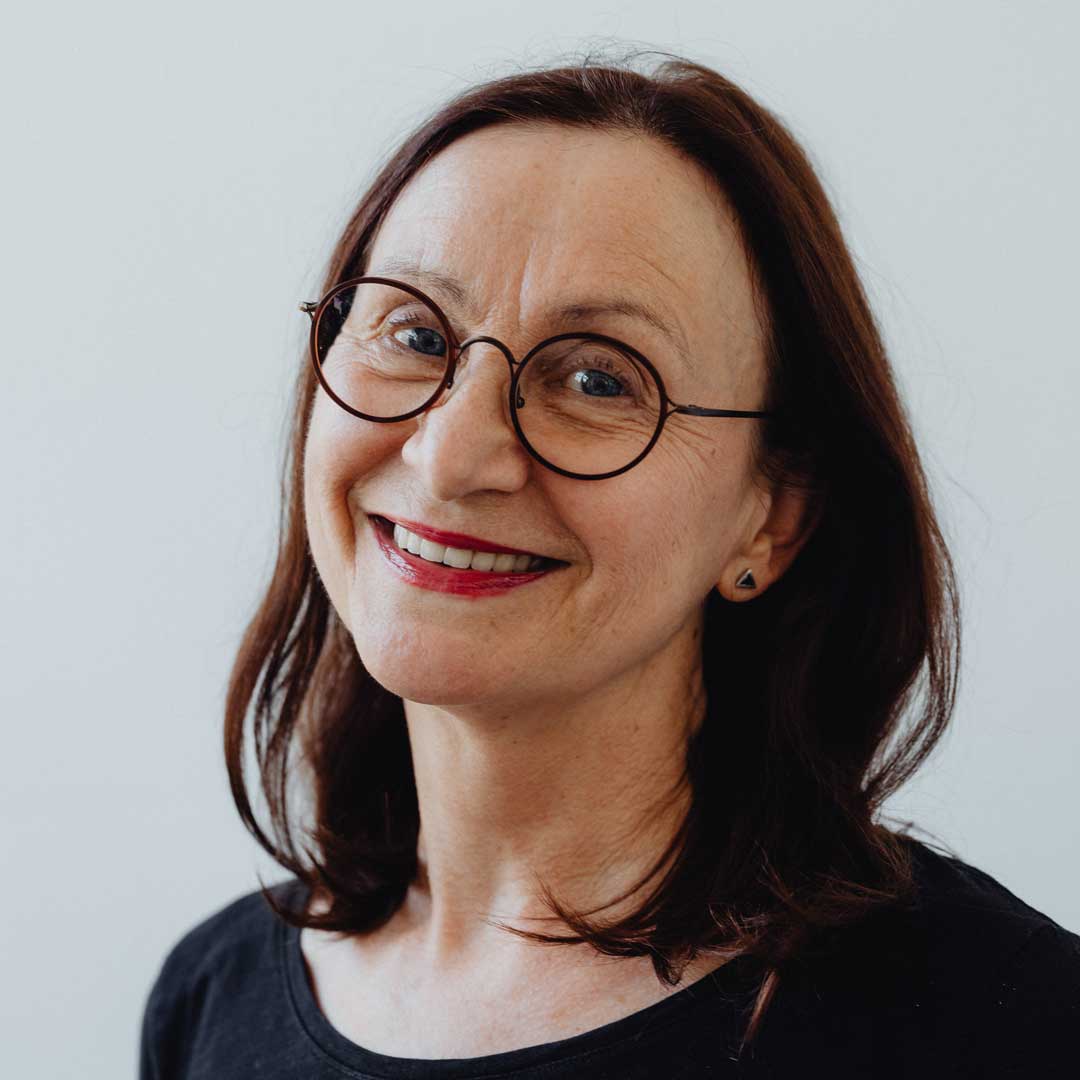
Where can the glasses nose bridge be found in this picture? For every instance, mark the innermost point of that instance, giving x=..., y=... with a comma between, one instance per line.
x=485, y=339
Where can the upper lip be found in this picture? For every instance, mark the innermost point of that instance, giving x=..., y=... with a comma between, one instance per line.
x=456, y=539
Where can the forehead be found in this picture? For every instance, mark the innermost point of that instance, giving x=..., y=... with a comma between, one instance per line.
x=533, y=217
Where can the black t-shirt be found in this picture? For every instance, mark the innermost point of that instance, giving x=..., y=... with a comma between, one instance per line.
x=968, y=982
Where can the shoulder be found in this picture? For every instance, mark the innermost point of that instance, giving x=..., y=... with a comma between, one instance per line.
x=970, y=917
x=1003, y=975
x=966, y=975
x=219, y=959
x=958, y=912
x=235, y=936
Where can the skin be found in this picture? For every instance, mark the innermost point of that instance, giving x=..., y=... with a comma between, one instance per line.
x=547, y=724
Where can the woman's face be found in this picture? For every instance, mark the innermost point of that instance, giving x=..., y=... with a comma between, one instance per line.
x=529, y=220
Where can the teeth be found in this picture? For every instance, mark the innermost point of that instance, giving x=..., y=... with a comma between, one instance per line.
x=483, y=560
x=457, y=557
x=431, y=551
x=461, y=558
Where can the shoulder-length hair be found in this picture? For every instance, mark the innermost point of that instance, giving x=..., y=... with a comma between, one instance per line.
x=810, y=687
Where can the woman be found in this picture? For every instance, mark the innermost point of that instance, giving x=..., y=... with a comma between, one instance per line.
x=608, y=579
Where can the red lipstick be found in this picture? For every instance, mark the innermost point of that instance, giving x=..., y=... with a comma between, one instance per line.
x=458, y=540
x=428, y=575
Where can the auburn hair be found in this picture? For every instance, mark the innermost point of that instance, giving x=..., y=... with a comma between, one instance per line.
x=824, y=694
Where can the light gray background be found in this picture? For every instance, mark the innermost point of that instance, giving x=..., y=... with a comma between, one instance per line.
x=167, y=170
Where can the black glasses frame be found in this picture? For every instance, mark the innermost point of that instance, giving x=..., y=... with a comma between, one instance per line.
x=454, y=351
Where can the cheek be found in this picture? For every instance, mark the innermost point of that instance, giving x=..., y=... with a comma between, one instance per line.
x=342, y=451
x=687, y=519
x=325, y=552
x=337, y=454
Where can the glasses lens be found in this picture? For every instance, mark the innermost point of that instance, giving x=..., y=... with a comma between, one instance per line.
x=587, y=406
x=381, y=350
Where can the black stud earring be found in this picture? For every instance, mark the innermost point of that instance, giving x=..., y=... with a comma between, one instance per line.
x=746, y=581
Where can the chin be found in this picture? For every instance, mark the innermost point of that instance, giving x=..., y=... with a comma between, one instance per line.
x=429, y=675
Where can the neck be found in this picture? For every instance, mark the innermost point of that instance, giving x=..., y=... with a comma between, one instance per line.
x=583, y=795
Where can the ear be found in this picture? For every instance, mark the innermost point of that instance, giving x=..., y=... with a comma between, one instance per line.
x=789, y=519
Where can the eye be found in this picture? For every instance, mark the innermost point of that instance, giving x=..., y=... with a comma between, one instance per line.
x=422, y=339
x=594, y=383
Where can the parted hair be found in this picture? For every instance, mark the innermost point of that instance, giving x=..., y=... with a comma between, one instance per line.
x=824, y=694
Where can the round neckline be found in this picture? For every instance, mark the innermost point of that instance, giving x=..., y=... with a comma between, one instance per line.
x=722, y=986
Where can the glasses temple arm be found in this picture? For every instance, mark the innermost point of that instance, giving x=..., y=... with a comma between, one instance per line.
x=700, y=410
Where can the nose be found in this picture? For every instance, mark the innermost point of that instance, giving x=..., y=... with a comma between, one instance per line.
x=466, y=441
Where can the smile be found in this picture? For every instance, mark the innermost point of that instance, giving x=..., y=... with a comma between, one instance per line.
x=460, y=571
x=464, y=558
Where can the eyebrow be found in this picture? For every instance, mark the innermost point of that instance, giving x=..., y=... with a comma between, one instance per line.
x=577, y=311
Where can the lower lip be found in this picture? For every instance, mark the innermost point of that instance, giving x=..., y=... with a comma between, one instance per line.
x=447, y=579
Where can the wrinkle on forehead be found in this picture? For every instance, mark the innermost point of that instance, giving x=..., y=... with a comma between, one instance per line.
x=528, y=217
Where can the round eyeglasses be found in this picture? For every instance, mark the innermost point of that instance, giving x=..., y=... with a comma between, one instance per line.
x=584, y=405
